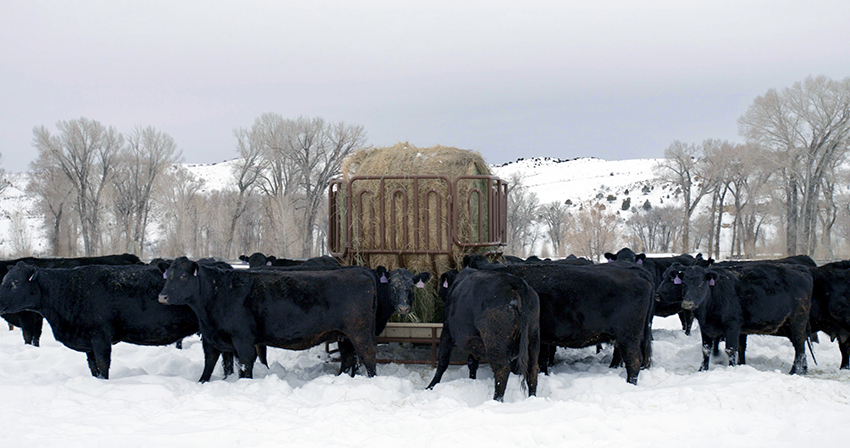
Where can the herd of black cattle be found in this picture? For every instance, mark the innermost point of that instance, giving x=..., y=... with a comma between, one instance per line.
x=512, y=313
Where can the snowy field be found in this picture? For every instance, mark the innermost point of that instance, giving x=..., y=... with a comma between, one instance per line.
x=153, y=399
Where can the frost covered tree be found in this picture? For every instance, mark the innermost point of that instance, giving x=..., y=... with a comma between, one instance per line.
x=681, y=166
x=85, y=153
x=805, y=128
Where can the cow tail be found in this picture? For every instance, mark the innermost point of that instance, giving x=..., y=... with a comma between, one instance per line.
x=646, y=346
x=524, y=331
x=811, y=349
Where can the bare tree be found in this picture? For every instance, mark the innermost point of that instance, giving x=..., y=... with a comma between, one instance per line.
x=522, y=217
x=554, y=216
x=299, y=158
x=86, y=153
x=180, y=218
x=806, y=127
x=21, y=238
x=147, y=154
x=246, y=172
x=655, y=227
x=53, y=192
x=594, y=231
x=716, y=176
x=681, y=167
x=317, y=150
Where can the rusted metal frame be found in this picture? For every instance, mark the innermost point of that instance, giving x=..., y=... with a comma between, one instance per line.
x=455, y=211
x=496, y=203
x=404, y=227
x=335, y=246
x=361, y=218
x=433, y=341
x=383, y=249
x=469, y=210
x=438, y=229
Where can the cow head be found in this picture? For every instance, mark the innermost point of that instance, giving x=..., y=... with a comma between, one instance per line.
x=19, y=290
x=401, y=286
x=668, y=295
x=181, y=282
x=696, y=283
x=258, y=259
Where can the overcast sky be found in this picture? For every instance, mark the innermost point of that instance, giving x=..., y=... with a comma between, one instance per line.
x=608, y=79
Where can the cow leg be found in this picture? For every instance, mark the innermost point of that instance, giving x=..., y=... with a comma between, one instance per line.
x=25, y=332
x=262, y=353
x=501, y=371
x=798, y=337
x=179, y=344
x=95, y=372
x=844, y=346
x=546, y=357
x=102, y=349
x=211, y=355
x=38, y=325
x=632, y=358
x=532, y=368
x=31, y=325
x=365, y=347
x=227, y=363
x=687, y=320
x=348, y=358
x=446, y=344
x=707, y=343
x=742, y=349
x=472, y=365
x=246, y=353
x=733, y=336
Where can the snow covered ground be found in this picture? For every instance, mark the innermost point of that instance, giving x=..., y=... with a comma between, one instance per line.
x=153, y=399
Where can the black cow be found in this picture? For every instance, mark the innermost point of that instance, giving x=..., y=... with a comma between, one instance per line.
x=32, y=323
x=400, y=300
x=494, y=316
x=239, y=309
x=90, y=308
x=802, y=260
x=830, y=312
x=582, y=306
x=754, y=298
x=656, y=266
x=394, y=295
x=686, y=316
x=258, y=259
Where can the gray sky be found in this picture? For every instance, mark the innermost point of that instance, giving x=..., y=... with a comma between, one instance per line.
x=608, y=79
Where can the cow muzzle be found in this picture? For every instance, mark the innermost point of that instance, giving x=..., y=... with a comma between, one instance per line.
x=163, y=299
x=403, y=309
x=688, y=305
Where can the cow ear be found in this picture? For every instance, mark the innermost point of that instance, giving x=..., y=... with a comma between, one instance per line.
x=610, y=257
x=195, y=269
x=711, y=277
x=34, y=274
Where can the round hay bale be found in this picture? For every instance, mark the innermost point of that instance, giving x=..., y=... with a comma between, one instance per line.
x=415, y=213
